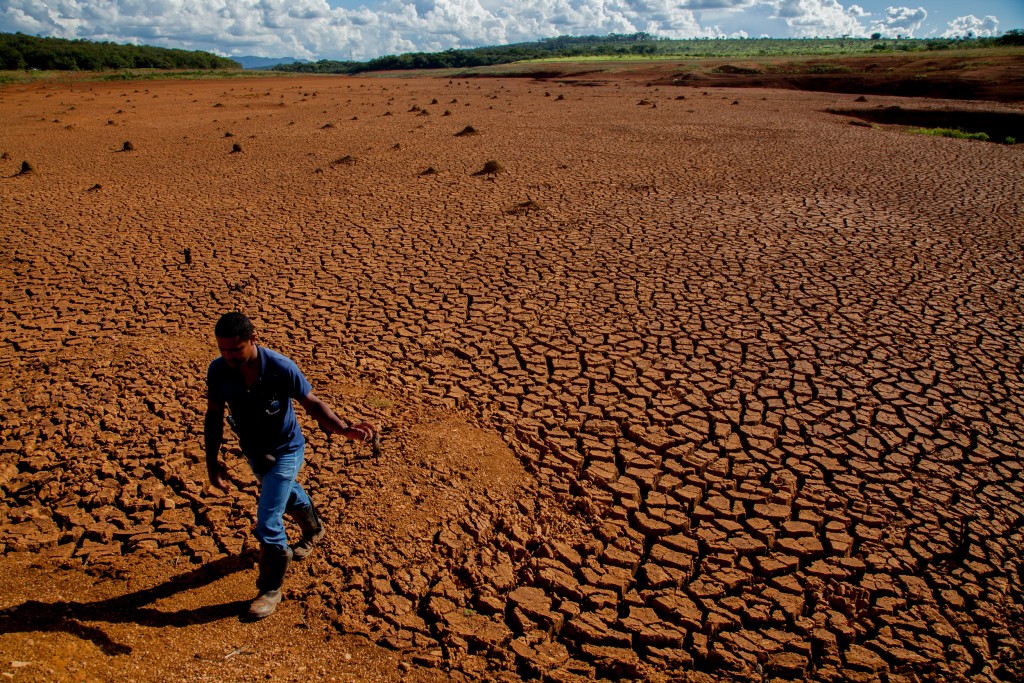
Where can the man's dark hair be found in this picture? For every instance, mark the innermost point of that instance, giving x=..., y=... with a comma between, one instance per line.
x=234, y=324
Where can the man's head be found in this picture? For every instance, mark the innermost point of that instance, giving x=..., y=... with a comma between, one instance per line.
x=236, y=339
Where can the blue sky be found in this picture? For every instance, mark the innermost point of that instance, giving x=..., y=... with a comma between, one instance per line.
x=354, y=29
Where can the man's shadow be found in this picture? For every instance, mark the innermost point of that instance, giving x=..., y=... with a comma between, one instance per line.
x=34, y=615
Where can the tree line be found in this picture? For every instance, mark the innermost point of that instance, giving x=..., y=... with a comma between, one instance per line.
x=616, y=45
x=19, y=51
x=562, y=46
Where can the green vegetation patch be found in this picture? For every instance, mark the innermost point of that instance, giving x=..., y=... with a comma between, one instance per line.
x=186, y=75
x=828, y=69
x=950, y=133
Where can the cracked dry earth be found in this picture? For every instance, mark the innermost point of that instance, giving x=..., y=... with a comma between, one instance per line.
x=689, y=386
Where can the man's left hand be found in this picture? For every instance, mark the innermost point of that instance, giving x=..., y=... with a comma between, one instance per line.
x=361, y=431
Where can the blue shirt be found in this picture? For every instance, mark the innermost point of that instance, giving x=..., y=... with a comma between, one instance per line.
x=263, y=414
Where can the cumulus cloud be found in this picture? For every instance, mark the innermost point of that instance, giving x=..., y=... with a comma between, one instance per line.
x=972, y=25
x=716, y=4
x=900, y=21
x=312, y=28
x=811, y=18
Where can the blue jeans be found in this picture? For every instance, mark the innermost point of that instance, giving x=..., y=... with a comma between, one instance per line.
x=279, y=491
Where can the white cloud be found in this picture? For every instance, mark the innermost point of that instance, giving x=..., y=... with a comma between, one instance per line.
x=981, y=28
x=312, y=28
x=716, y=4
x=900, y=21
x=817, y=18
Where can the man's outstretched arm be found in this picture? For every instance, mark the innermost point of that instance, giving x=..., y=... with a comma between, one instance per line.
x=213, y=435
x=331, y=423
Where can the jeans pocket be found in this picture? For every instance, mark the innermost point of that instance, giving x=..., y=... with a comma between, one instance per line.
x=261, y=464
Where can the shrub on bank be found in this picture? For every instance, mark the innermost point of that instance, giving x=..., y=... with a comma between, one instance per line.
x=950, y=133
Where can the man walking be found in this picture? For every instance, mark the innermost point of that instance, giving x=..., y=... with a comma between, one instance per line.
x=258, y=386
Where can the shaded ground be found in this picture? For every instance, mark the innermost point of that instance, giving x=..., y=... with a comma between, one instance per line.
x=999, y=126
x=691, y=385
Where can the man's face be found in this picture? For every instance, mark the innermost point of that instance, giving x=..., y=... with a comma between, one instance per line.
x=237, y=352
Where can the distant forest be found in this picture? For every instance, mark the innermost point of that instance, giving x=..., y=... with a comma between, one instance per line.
x=643, y=44
x=19, y=51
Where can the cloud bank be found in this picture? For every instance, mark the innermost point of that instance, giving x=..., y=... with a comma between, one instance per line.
x=314, y=29
x=972, y=25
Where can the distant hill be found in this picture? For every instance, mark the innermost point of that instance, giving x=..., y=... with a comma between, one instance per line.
x=250, y=62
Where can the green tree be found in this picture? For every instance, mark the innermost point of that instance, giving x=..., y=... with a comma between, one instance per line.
x=18, y=50
x=1015, y=36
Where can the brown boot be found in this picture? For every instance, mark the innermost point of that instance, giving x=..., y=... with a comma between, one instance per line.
x=264, y=605
x=273, y=564
x=312, y=530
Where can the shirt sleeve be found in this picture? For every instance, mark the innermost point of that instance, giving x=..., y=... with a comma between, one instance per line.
x=300, y=386
x=214, y=391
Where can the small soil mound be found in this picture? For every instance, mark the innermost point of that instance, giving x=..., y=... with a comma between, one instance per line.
x=468, y=130
x=733, y=69
x=491, y=168
x=525, y=208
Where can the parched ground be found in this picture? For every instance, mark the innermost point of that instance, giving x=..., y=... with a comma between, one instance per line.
x=690, y=384
x=995, y=74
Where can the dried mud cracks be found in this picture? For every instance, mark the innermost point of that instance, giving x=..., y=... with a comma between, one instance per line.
x=764, y=378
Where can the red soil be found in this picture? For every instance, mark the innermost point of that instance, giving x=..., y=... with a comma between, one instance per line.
x=713, y=387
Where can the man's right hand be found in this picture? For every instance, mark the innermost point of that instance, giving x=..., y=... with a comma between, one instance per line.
x=213, y=436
